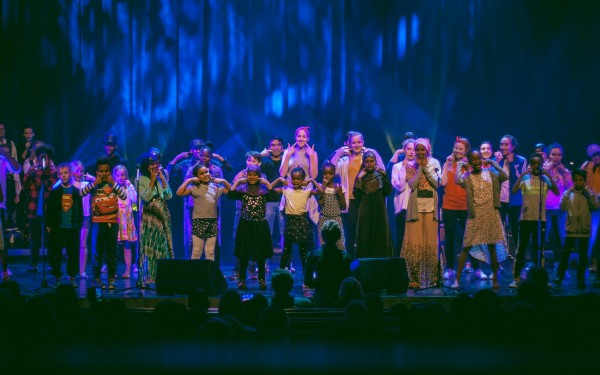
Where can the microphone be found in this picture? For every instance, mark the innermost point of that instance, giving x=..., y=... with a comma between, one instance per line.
x=436, y=170
x=44, y=161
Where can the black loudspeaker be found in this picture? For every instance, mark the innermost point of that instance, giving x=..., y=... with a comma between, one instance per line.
x=381, y=275
x=182, y=276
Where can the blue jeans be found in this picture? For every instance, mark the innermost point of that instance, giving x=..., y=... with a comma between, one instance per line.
x=273, y=213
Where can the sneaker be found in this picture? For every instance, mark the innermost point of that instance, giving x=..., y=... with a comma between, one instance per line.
x=6, y=276
x=126, y=275
x=83, y=276
x=135, y=269
x=467, y=268
x=491, y=276
x=32, y=269
x=515, y=283
x=292, y=269
x=479, y=275
x=98, y=283
x=242, y=285
x=449, y=274
x=111, y=284
x=73, y=282
x=455, y=285
x=262, y=285
x=104, y=269
x=8, y=272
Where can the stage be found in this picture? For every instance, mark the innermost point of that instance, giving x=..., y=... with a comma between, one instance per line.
x=146, y=298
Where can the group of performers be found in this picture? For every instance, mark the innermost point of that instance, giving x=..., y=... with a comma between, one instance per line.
x=475, y=191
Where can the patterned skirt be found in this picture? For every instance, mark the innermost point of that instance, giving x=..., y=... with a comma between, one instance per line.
x=253, y=240
x=205, y=228
x=420, y=250
x=156, y=240
x=297, y=228
x=483, y=229
x=341, y=243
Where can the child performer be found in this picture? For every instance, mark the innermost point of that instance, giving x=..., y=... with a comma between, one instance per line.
x=372, y=185
x=104, y=196
x=80, y=180
x=253, y=237
x=533, y=185
x=578, y=201
x=127, y=230
x=297, y=226
x=484, y=232
x=206, y=192
x=332, y=202
x=64, y=218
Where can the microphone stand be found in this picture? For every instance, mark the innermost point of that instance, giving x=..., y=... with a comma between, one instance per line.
x=541, y=230
x=439, y=284
x=44, y=283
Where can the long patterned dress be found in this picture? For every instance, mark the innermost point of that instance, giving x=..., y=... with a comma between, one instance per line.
x=156, y=234
x=330, y=210
x=420, y=246
x=485, y=227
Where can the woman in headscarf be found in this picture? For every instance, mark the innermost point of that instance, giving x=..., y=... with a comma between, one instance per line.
x=420, y=246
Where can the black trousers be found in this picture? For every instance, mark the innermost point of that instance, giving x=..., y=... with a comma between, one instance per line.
x=528, y=230
x=67, y=238
x=582, y=250
x=104, y=237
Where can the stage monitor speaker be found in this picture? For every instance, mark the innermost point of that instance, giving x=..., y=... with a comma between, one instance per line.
x=182, y=276
x=381, y=275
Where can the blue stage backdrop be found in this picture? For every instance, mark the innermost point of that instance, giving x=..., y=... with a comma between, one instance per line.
x=161, y=72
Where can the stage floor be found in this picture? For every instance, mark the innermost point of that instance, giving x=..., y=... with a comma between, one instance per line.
x=146, y=298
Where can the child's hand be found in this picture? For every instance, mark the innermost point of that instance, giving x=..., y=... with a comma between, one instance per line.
x=242, y=180
x=339, y=190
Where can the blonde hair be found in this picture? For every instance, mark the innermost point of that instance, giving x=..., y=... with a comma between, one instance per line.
x=120, y=168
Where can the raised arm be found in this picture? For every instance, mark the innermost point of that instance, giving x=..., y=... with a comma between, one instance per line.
x=399, y=177
x=318, y=190
x=182, y=190
x=550, y=182
x=224, y=182
x=285, y=160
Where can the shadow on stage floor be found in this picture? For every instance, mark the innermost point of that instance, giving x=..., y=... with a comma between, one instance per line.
x=136, y=298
